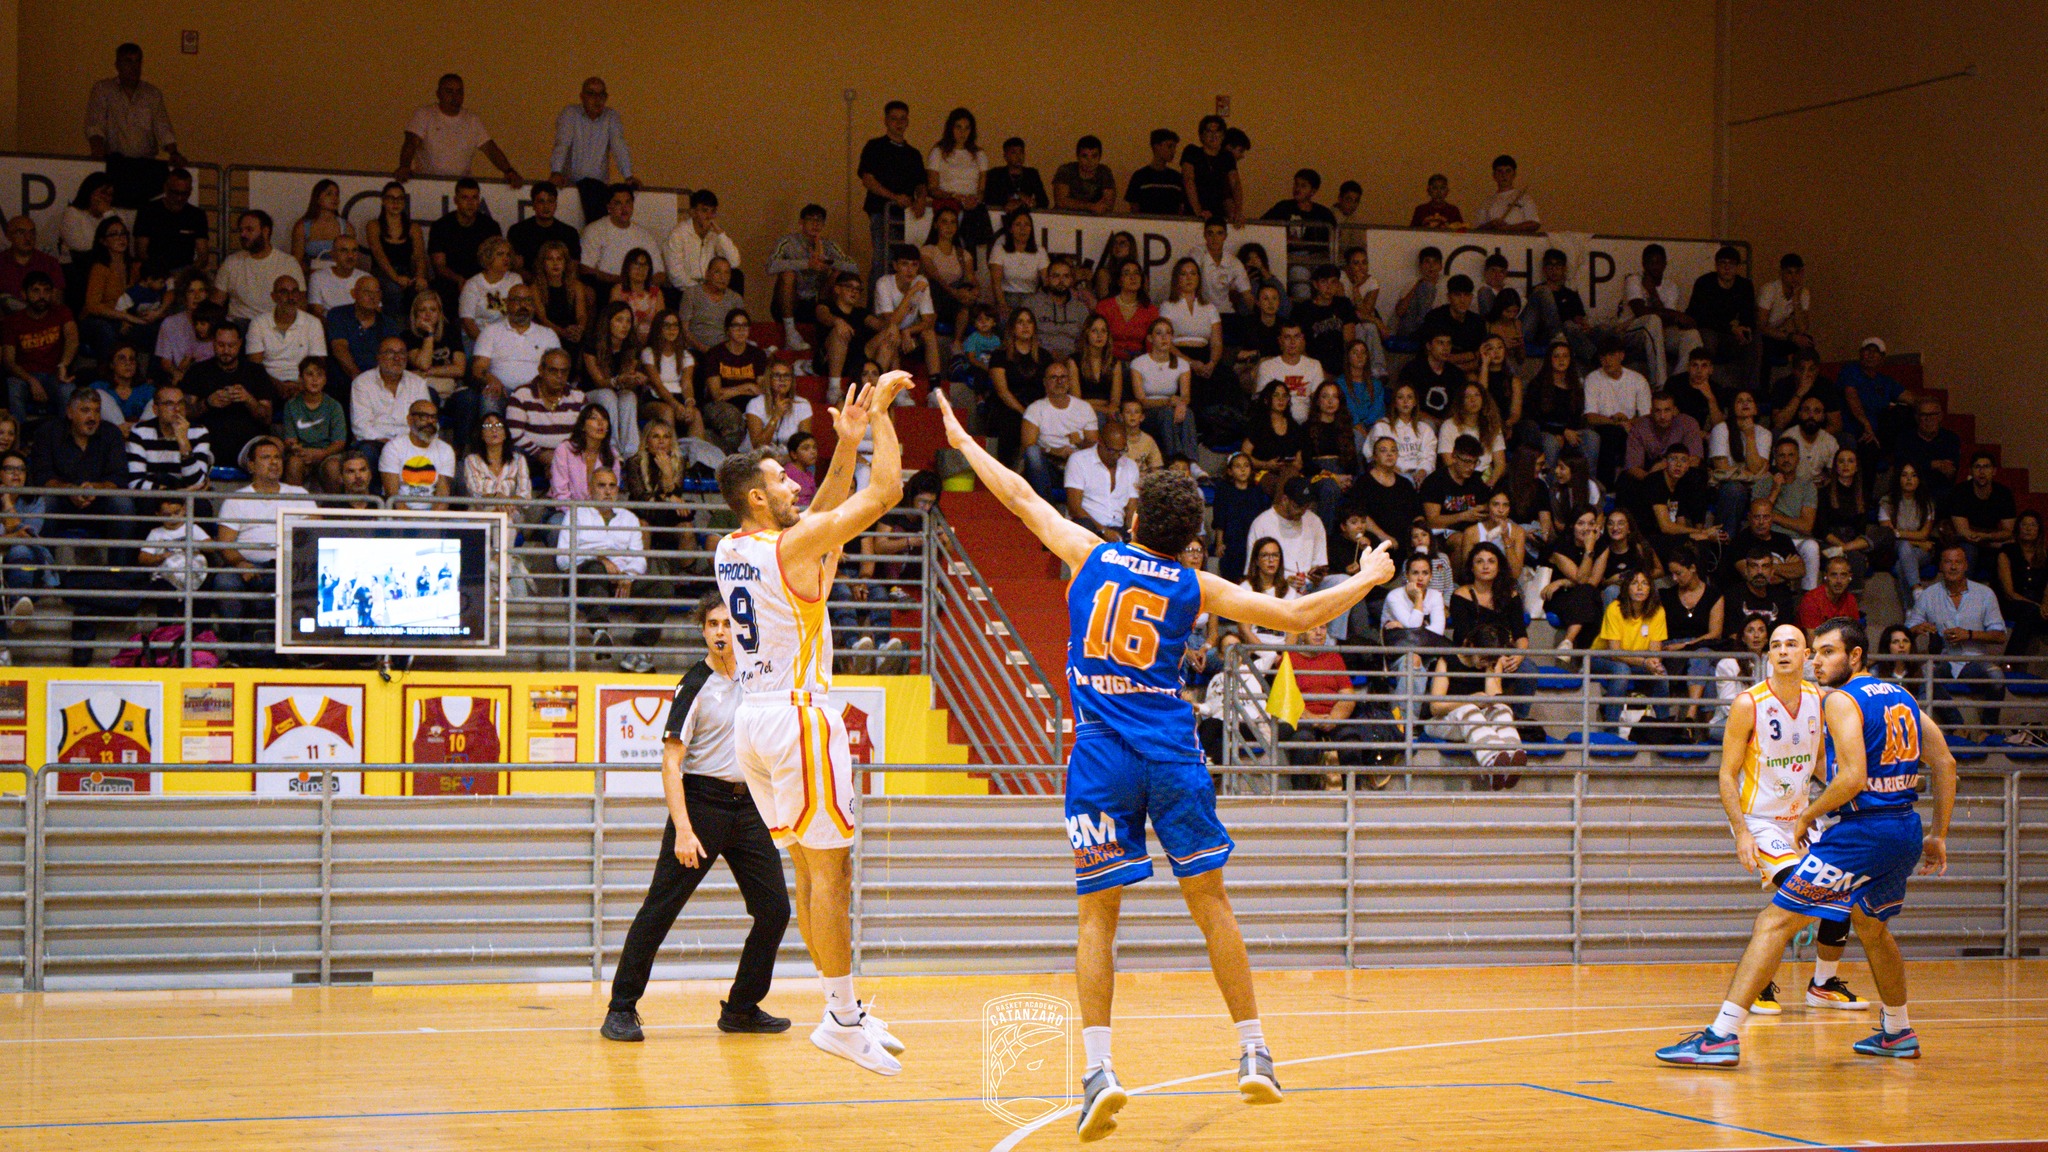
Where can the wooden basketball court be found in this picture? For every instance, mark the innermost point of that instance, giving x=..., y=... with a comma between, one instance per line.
x=1479, y=1059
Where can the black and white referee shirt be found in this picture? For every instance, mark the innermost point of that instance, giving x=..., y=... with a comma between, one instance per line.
x=701, y=716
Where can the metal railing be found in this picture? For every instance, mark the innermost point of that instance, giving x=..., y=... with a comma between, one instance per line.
x=1596, y=864
x=1010, y=710
x=88, y=559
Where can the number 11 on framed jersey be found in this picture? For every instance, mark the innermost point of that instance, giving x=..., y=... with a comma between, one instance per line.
x=313, y=726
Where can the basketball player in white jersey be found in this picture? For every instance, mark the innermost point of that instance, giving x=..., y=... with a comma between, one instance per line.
x=775, y=574
x=1773, y=745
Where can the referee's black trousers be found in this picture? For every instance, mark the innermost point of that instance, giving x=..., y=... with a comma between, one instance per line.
x=727, y=824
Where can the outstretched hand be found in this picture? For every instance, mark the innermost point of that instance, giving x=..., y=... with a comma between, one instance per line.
x=1378, y=564
x=956, y=433
x=890, y=386
x=850, y=422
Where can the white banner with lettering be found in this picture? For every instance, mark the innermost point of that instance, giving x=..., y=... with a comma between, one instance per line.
x=1596, y=266
x=1161, y=241
x=284, y=193
x=40, y=187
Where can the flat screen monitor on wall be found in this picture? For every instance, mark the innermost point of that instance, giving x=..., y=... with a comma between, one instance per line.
x=391, y=583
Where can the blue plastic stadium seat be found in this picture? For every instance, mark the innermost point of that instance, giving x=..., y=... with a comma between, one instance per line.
x=2019, y=683
x=1549, y=679
x=1611, y=746
x=1547, y=748
x=1687, y=751
x=1971, y=750
x=1556, y=621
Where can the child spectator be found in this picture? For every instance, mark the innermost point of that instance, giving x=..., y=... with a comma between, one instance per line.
x=315, y=430
x=171, y=550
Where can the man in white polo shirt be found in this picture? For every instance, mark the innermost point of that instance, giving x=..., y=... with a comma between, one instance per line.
x=1101, y=485
x=507, y=355
x=286, y=335
x=379, y=399
x=608, y=239
x=442, y=137
x=1304, y=543
x=1055, y=428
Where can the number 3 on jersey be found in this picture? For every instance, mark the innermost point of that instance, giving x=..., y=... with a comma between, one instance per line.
x=1901, y=735
x=744, y=632
x=1123, y=626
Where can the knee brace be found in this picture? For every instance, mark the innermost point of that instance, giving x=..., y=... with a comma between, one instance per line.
x=1833, y=933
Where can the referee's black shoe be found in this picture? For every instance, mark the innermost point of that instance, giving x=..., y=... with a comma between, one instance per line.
x=749, y=1020
x=622, y=1024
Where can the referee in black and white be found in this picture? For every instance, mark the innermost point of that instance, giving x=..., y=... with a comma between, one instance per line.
x=711, y=814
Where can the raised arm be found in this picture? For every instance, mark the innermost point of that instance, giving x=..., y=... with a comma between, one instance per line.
x=1261, y=610
x=818, y=533
x=850, y=424
x=1067, y=540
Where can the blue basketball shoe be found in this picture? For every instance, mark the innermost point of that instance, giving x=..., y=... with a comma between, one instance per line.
x=1901, y=1045
x=1705, y=1048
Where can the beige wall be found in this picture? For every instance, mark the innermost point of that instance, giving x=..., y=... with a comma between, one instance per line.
x=1922, y=215
x=10, y=59
x=746, y=99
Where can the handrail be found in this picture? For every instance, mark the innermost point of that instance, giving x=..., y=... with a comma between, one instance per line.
x=1012, y=712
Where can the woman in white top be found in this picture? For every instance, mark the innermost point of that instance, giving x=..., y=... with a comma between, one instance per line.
x=1739, y=452
x=1414, y=437
x=671, y=372
x=483, y=295
x=1197, y=325
x=1413, y=617
x=1909, y=511
x=1265, y=574
x=1476, y=415
x=1499, y=530
x=494, y=469
x=80, y=221
x=1016, y=264
x=1161, y=379
x=1734, y=675
x=779, y=413
x=956, y=167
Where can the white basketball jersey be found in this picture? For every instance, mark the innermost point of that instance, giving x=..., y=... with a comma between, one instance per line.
x=633, y=729
x=783, y=641
x=1785, y=746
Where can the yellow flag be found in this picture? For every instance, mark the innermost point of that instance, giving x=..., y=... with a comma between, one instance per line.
x=1284, y=701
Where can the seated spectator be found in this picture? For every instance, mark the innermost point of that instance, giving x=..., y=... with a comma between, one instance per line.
x=801, y=455
x=543, y=413
x=380, y=398
x=125, y=395
x=352, y=333
x=613, y=376
x=237, y=397
x=186, y=333
x=1493, y=280
x=1160, y=379
x=314, y=234
x=1490, y=597
x=1015, y=186
x=1061, y=313
x=165, y=449
x=1633, y=624
x=1384, y=498
x=1579, y=565
x=1650, y=440
x=1436, y=380
x=1276, y=443
x=919, y=217
x=1413, y=616
x=1327, y=317
x=1304, y=542
x=1697, y=394
x=1679, y=502
x=1437, y=212
x=1466, y=706
x=1511, y=209
x=1310, y=226
x=1817, y=446
x=2023, y=581
x=607, y=240
x=1628, y=551
x=606, y=544
x=1566, y=488
x=433, y=348
x=111, y=271
x=1739, y=454
x=507, y=357
x=1500, y=372
x=671, y=376
x=1328, y=700
x=248, y=526
x=1300, y=374
x=1265, y=573
x=1845, y=519
x=1981, y=513
x=804, y=264
x=1830, y=598
x=1723, y=305
x=637, y=290
x=1883, y=408
x=851, y=334
x=1456, y=317
x=1139, y=445
x=1764, y=573
x=1473, y=414
x=1910, y=512
x=357, y=475
x=584, y=452
x=1554, y=410
x=1129, y=312
x=172, y=228
x=1158, y=188
x=1364, y=392
x=22, y=259
x=1085, y=184
x=1736, y=674
x=1694, y=619
x=419, y=464
x=1497, y=530
x=910, y=323
x=173, y=551
x=542, y=228
x=1937, y=451
x=495, y=469
x=249, y=276
x=1961, y=618
x=1454, y=496
x=483, y=295
x=1016, y=377
x=1784, y=312
x=285, y=335
x=1238, y=501
x=778, y=413
x=1649, y=318
x=1056, y=427
x=1102, y=485
x=37, y=345
x=1016, y=264
x=455, y=241
x=1795, y=505
x=952, y=273
x=562, y=304
x=1615, y=397
x=708, y=306
x=1332, y=452
x=315, y=430
x=730, y=375
x=397, y=245
x=695, y=242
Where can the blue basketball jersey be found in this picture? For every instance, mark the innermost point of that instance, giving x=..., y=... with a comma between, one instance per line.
x=1129, y=613
x=1891, y=746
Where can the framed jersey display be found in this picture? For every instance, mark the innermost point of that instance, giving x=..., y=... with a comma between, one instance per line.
x=101, y=725
x=462, y=726
x=314, y=725
x=630, y=723
x=865, y=711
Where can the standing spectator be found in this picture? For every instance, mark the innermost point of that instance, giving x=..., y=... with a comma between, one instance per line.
x=1085, y=184
x=236, y=395
x=166, y=451
x=1981, y=513
x=804, y=264
x=313, y=234
x=1937, y=451
x=1056, y=426
x=482, y=302
x=1349, y=194
x=250, y=275
x=1102, y=485
x=1310, y=226
x=1014, y=187
x=353, y=333
x=127, y=124
x=1159, y=187
x=380, y=398
x=541, y=413
x=1910, y=513
x=1209, y=175
x=891, y=168
x=956, y=171
x=606, y=544
x=315, y=430
x=172, y=229
x=1962, y=615
x=530, y=235
x=590, y=140
x=1437, y=212
x=334, y=285
x=455, y=242
x=248, y=528
x=1511, y=209
x=1784, y=312
x=37, y=346
x=1649, y=315
x=696, y=241
x=419, y=463
x=1615, y=397
x=508, y=355
x=398, y=249
x=284, y=336
x=441, y=138
x=1723, y=304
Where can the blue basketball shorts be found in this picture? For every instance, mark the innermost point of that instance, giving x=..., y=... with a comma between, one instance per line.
x=1862, y=862
x=1112, y=790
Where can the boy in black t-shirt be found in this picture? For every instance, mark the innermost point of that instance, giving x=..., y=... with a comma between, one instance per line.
x=529, y=234
x=1327, y=319
x=1435, y=379
x=1158, y=188
x=1454, y=496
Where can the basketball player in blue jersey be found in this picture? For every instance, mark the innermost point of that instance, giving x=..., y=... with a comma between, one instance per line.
x=1130, y=608
x=1879, y=742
